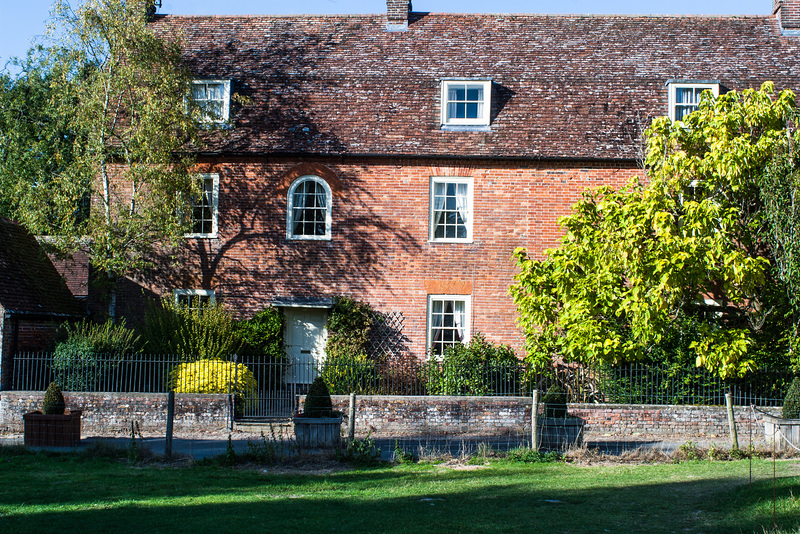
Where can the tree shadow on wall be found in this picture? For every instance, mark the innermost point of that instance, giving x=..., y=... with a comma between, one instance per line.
x=255, y=263
x=286, y=98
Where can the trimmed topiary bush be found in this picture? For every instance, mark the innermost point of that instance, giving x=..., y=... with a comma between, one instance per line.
x=791, y=405
x=555, y=402
x=54, y=403
x=318, y=400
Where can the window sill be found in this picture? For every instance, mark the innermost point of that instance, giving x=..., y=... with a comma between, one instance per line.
x=466, y=128
x=451, y=241
x=313, y=238
x=201, y=236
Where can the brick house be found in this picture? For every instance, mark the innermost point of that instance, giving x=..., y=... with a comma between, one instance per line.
x=34, y=298
x=400, y=158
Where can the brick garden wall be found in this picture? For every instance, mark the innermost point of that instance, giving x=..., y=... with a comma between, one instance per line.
x=391, y=415
x=112, y=413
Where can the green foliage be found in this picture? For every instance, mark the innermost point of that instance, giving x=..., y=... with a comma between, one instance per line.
x=555, y=402
x=37, y=142
x=90, y=350
x=54, y=403
x=780, y=191
x=477, y=368
x=347, y=367
x=400, y=455
x=262, y=335
x=633, y=259
x=266, y=450
x=118, y=93
x=791, y=404
x=350, y=373
x=229, y=458
x=530, y=456
x=361, y=452
x=262, y=338
x=199, y=331
x=318, y=400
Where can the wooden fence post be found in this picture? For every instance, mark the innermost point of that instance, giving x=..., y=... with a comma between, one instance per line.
x=535, y=420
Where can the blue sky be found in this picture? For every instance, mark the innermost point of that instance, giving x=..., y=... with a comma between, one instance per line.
x=21, y=21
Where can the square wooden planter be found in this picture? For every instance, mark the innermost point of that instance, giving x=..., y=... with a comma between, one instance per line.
x=318, y=432
x=559, y=434
x=52, y=430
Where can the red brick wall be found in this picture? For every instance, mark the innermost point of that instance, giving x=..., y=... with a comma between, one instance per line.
x=112, y=413
x=379, y=251
x=788, y=12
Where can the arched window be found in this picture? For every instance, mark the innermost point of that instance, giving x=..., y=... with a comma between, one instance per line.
x=308, y=209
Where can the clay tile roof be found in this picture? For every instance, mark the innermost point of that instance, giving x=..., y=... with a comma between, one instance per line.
x=29, y=283
x=563, y=86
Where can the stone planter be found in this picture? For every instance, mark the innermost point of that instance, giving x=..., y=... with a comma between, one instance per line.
x=786, y=432
x=318, y=432
x=559, y=434
x=57, y=430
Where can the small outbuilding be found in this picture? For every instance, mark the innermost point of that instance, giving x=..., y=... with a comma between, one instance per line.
x=34, y=298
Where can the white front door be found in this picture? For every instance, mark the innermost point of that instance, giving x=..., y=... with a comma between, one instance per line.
x=305, y=342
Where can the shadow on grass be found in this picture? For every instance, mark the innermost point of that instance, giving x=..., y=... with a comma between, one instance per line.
x=101, y=495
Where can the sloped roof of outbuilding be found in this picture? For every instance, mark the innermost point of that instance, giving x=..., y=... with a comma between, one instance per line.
x=29, y=283
x=577, y=87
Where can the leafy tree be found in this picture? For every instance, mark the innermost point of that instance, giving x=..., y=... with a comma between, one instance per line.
x=119, y=93
x=36, y=143
x=688, y=243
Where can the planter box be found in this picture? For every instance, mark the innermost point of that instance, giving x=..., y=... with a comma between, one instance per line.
x=318, y=432
x=785, y=432
x=557, y=434
x=52, y=430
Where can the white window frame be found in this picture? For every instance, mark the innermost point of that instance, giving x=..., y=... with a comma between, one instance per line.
x=226, y=101
x=191, y=293
x=466, y=328
x=486, y=112
x=290, y=209
x=432, y=209
x=673, y=90
x=214, y=206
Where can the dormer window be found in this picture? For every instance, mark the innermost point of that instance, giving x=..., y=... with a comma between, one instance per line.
x=684, y=97
x=213, y=99
x=466, y=102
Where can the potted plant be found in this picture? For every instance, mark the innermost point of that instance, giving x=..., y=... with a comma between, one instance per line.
x=558, y=430
x=318, y=426
x=54, y=426
x=785, y=430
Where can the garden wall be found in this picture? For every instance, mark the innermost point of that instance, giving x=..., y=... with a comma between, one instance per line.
x=394, y=415
x=112, y=413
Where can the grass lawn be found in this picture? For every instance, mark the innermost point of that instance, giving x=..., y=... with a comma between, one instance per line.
x=73, y=493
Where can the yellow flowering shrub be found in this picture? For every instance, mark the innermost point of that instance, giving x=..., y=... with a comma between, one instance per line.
x=214, y=376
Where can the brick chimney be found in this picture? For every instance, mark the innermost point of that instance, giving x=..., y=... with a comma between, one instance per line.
x=397, y=14
x=788, y=12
